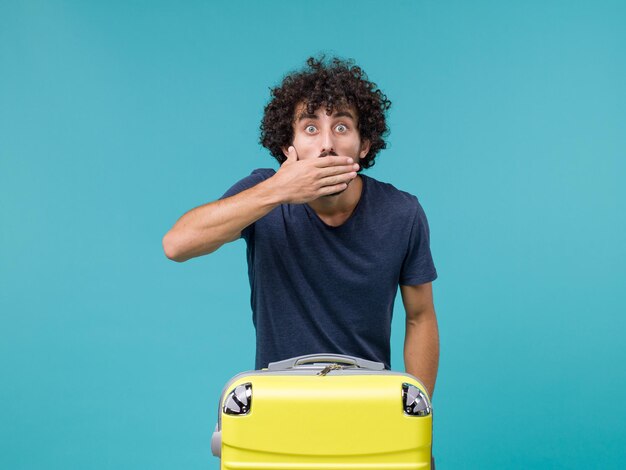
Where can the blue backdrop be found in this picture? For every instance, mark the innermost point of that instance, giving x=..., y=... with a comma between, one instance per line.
x=508, y=122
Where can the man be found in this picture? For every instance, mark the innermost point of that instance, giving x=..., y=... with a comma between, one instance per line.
x=327, y=246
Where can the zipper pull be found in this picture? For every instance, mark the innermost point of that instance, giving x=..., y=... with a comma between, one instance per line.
x=328, y=368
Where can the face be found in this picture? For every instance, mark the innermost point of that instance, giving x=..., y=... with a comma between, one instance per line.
x=317, y=135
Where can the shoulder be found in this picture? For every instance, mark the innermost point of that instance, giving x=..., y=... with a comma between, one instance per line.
x=264, y=172
x=387, y=195
x=260, y=174
x=254, y=178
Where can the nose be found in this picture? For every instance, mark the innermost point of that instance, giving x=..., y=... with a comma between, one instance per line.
x=327, y=142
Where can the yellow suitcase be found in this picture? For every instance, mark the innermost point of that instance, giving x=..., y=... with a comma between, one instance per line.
x=324, y=411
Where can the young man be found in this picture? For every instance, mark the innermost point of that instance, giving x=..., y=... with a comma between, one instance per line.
x=327, y=246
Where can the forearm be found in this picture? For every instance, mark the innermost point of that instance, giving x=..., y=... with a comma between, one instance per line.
x=421, y=349
x=204, y=229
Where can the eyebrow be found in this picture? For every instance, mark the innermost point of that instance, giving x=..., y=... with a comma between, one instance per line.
x=305, y=115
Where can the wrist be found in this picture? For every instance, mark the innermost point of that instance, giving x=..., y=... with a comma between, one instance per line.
x=269, y=192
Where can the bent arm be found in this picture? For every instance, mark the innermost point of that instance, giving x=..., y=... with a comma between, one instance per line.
x=421, y=343
x=204, y=229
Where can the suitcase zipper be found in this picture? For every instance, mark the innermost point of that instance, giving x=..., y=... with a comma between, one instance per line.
x=328, y=368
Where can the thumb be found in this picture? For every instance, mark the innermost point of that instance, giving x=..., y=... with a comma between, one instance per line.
x=292, y=155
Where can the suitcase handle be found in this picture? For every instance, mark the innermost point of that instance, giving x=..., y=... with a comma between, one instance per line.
x=335, y=358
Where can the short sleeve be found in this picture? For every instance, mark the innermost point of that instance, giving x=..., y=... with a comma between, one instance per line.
x=248, y=182
x=418, y=266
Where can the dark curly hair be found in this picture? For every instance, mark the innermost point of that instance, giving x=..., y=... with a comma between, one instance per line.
x=333, y=85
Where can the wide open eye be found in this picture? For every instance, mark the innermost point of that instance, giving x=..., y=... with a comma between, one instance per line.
x=341, y=128
x=310, y=129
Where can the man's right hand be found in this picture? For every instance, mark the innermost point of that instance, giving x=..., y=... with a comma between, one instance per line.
x=204, y=229
x=301, y=181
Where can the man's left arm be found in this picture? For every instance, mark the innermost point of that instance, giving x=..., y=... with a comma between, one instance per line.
x=421, y=341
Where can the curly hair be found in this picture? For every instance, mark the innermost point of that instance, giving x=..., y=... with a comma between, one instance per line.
x=336, y=84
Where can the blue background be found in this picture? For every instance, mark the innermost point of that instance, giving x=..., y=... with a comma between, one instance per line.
x=508, y=122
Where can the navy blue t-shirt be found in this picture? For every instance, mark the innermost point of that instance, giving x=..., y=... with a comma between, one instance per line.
x=323, y=289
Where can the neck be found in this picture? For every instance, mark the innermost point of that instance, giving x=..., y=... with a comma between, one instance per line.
x=343, y=203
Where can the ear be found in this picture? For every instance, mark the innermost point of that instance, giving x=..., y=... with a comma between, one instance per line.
x=365, y=148
x=285, y=151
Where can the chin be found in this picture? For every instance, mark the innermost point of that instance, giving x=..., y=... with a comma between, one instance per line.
x=335, y=194
x=339, y=192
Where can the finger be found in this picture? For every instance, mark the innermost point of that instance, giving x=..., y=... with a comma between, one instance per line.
x=292, y=154
x=338, y=179
x=337, y=170
x=331, y=161
x=332, y=189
